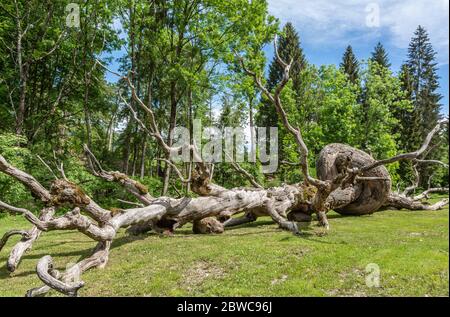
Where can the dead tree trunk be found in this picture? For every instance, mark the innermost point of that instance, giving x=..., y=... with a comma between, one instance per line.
x=349, y=181
x=368, y=194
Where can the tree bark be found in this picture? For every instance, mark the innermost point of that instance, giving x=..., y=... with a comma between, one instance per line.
x=172, y=123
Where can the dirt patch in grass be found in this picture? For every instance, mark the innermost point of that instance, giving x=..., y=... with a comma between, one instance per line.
x=300, y=252
x=200, y=272
x=352, y=284
x=279, y=280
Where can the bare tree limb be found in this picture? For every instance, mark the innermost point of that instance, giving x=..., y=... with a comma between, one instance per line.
x=426, y=194
x=432, y=162
x=47, y=166
x=11, y=233
x=401, y=202
x=68, y=283
x=201, y=184
x=415, y=183
x=134, y=187
x=244, y=172
x=405, y=156
x=177, y=171
x=29, y=181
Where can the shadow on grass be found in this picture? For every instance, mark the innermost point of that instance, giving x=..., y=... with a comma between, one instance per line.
x=251, y=225
x=123, y=240
x=5, y=274
x=129, y=238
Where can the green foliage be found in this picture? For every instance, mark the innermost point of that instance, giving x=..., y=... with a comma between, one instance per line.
x=336, y=108
x=12, y=148
x=421, y=72
x=180, y=57
x=383, y=97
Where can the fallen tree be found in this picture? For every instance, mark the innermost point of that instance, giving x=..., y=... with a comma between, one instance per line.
x=348, y=181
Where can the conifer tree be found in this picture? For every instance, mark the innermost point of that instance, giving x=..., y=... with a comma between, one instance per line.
x=423, y=85
x=350, y=65
x=380, y=56
x=422, y=67
x=289, y=48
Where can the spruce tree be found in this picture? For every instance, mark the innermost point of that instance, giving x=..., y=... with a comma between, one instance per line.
x=422, y=67
x=350, y=65
x=424, y=83
x=380, y=56
x=288, y=48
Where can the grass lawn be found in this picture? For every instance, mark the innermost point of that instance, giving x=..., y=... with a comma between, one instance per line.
x=410, y=248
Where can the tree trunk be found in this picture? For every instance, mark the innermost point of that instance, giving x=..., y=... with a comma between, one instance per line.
x=364, y=197
x=143, y=156
x=172, y=123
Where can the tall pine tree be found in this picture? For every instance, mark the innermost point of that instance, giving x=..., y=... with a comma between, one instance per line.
x=350, y=65
x=424, y=83
x=289, y=48
x=380, y=56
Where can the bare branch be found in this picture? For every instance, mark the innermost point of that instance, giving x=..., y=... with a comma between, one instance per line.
x=405, y=156
x=7, y=235
x=277, y=54
x=290, y=163
x=71, y=220
x=69, y=282
x=153, y=129
x=432, y=162
x=134, y=187
x=401, y=202
x=50, y=276
x=180, y=175
x=47, y=166
x=244, y=172
x=49, y=52
x=415, y=183
x=131, y=203
x=276, y=100
x=362, y=178
x=426, y=194
x=29, y=181
x=26, y=242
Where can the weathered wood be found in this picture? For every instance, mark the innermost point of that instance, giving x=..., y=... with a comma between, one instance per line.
x=402, y=202
x=26, y=243
x=426, y=194
x=68, y=282
x=41, y=193
x=349, y=181
x=208, y=225
x=365, y=196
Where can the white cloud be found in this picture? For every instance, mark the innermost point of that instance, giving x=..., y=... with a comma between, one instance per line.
x=402, y=18
x=322, y=22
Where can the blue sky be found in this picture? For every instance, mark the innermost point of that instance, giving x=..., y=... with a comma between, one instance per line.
x=326, y=27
